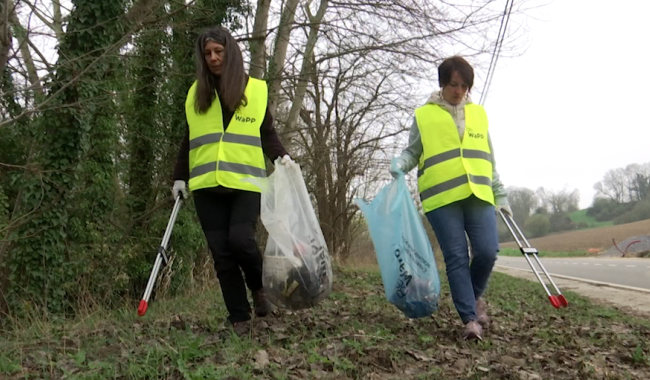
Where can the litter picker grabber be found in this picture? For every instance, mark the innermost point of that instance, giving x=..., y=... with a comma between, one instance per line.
x=558, y=300
x=161, y=257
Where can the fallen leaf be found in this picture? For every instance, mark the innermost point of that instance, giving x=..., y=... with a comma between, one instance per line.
x=278, y=329
x=483, y=369
x=419, y=355
x=281, y=337
x=177, y=323
x=461, y=364
x=449, y=355
x=512, y=362
x=523, y=375
x=261, y=359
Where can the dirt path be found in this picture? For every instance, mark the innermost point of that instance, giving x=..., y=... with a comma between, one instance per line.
x=627, y=300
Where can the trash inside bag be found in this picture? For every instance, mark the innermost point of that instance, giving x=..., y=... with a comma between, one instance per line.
x=297, y=272
x=406, y=261
x=288, y=281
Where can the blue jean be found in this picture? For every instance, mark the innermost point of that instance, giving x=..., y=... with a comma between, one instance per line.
x=477, y=218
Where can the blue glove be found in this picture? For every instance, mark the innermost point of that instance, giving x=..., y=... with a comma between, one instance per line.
x=396, y=167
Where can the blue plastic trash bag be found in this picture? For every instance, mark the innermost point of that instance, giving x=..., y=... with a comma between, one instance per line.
x=406, y=260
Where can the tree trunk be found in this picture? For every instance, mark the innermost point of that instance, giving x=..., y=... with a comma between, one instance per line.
x=57, y=22
x=301, y=89
x=280, y=53
x=5, y=33
x=257, y=46
x=23, y=41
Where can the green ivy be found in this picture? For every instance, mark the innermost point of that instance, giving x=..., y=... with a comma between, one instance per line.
x=104, y=150
x=40, y=263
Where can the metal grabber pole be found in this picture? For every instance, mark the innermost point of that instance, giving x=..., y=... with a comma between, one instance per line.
x=558, y=300
x=161, y=257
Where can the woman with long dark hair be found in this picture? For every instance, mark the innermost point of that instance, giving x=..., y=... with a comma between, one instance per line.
x=229, y=131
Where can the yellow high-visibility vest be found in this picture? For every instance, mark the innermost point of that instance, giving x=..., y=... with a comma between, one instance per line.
x=449, y=170
x=219, y=157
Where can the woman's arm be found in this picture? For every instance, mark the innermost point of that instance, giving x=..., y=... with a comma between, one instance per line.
x=411, y=155
x=182, y=168
x=271, y=144
x=499, y=189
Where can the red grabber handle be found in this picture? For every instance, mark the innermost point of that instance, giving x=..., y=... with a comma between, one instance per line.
x=161, y=258
x=527, y=250
x=142, y=309
x=554, y=301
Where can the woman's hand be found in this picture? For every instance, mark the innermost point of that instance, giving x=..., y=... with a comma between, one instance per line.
x=504, y=209
x=179, y=187
x=285, y=159
x=396, y=168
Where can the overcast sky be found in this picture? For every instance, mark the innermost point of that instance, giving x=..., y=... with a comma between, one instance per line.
x=573, y=105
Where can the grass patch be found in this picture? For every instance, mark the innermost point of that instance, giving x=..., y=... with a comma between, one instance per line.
x=516, y=252
x=354, y=334
x=581, y=216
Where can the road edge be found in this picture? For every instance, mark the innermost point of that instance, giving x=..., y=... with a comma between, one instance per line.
x=593, y=282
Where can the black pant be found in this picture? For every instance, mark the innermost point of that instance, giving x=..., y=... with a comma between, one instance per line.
x=229, y=221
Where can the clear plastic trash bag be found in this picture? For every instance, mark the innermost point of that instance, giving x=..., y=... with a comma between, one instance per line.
x=406, y=261
x=297, y=271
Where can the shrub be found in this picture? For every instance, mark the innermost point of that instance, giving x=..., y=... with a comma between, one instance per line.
x=537, y=225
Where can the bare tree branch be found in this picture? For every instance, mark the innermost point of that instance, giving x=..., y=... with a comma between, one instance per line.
x=40, y=16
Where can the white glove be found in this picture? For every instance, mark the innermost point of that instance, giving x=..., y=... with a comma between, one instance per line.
x=285, y=159
x=504, y=209
x=179, y=187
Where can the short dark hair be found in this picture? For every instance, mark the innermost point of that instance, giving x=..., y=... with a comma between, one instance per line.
x=458, y=64
x=231, y=83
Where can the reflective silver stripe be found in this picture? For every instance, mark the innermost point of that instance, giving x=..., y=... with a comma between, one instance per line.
x=480, y=180
x=452, y=183
x=442, y=187
x=242, y=169
x=454, y=153
x=472, y=153
x=242, y=139
x=205, y=139
x=438, y=158
x=203, y=169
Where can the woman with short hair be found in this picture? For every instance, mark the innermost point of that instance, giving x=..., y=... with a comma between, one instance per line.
x=459, y=187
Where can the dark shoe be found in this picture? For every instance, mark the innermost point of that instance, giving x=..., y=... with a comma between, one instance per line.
x=240, y=329
x=481, y=313
x=473, y=331
x=263, y=306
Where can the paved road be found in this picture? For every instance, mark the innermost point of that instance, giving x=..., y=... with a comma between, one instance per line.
x=628, y=272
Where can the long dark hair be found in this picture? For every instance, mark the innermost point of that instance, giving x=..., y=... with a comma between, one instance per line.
x=230, y=85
